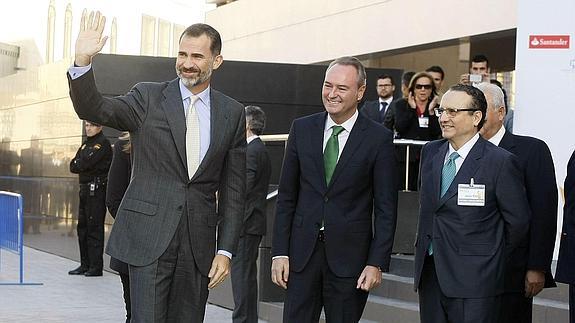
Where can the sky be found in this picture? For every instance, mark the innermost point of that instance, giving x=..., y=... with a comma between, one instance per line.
x=26, y=19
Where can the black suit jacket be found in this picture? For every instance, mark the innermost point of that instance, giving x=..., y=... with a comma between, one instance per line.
x=259, y=170
x=469, y=242
x=160, y=189
x=362, y=184
x=371, y=110
x=118, y=180
x=536, y=251
x=405, y=121
x=566, y=261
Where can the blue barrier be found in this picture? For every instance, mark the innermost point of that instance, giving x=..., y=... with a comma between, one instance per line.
x=11, y=230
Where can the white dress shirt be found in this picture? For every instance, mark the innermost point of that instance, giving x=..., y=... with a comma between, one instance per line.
x=463, y=152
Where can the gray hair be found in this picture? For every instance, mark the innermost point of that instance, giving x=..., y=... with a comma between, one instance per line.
x=493, y=94
x=351, y=61
x=255, y=119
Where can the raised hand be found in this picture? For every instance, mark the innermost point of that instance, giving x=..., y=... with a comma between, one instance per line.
x=90, y=40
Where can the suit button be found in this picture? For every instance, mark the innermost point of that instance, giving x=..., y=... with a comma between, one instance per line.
x=180, y=208
x=326, y=199
x=428, y=236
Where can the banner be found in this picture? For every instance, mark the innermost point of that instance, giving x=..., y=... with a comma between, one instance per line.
x=545, y=81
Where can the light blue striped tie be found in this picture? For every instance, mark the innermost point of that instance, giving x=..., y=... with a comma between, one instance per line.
x=447, y=175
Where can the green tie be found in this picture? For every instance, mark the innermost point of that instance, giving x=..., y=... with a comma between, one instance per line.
x=331, y=152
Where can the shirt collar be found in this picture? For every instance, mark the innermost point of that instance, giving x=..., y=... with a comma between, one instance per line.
x=251, y=138
x=388, y=100
x=203, y=96
x=347, y=125
x=496, y=139
x=465, y=149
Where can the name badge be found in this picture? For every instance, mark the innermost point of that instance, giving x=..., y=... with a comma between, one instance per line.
x=471, y=194
x=423, y=122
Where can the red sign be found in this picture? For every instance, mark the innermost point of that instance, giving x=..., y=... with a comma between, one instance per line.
x=549, y=41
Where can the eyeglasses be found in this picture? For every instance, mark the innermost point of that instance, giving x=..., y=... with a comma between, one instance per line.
x=423, y=86
x=451, y=112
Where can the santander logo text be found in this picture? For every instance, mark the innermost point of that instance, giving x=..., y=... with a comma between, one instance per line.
x=549, y=41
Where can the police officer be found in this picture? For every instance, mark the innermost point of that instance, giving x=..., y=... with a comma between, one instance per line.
x=92, y=162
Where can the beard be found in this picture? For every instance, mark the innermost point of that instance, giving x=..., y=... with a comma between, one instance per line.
x=203, y=76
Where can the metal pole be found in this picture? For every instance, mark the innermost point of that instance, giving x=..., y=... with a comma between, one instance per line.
x=407, y=168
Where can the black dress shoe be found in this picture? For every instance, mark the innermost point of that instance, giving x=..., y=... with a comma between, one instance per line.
x=93, y=273
x=78, y=271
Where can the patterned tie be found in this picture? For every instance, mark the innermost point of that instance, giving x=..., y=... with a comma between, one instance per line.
x=447, y=175
x=382, y=112
x=448, y=172
x=331, y=153
x=192, y=136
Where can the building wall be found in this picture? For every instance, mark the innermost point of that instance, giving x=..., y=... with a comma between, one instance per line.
x=8, y=59
x=303, y=31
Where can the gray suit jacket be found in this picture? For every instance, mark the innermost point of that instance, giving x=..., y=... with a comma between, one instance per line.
x=159, y=189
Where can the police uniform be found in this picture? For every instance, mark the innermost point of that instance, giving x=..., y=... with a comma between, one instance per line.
x=91, y=163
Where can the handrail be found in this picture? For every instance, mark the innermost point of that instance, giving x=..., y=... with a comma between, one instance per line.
x=398, y=142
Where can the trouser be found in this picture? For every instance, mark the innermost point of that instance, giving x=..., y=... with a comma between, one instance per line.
x=171, y=289
x=91, y=216
x=435, y=307
x=515, y=308
x=244, y=279
x=316, y=286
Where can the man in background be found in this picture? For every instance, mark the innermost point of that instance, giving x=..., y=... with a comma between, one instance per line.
x=528, y=268
x=376, y=110
x=244, y=267
x=438, y=76
x=479, y=71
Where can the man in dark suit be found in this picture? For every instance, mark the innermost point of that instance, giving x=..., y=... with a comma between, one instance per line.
x=376, y=110
x=339, y=168
x=472, y=208
x=244, y=266
x=566, y=261
x=528, y=268
x=188, y=142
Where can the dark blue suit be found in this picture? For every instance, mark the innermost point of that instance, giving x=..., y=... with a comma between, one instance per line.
x=363, y=184
x=566, y=261
x=536, y=251
x=371, y=109
x=469, y=242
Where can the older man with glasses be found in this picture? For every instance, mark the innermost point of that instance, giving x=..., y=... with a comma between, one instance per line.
x=473, y=209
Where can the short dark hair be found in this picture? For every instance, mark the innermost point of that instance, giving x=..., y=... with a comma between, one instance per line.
x=480, y=58
x=406, y=78
x=199, y=29
x=351, y=61
x=419, y=75
x=386, y=76
x=436, y=69
x=478, y=100
x=92, y=123
x=255, y=119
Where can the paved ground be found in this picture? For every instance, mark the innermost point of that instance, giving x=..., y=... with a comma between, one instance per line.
x=63, y=298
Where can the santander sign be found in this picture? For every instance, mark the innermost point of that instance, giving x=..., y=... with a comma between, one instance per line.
x=549, y=41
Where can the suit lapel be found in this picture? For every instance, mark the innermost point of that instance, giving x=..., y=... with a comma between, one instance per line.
x=354, y=140
x=468, y=169
x=174, y=110
x=437, y=167
x=218, y=126
x=316, y=145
